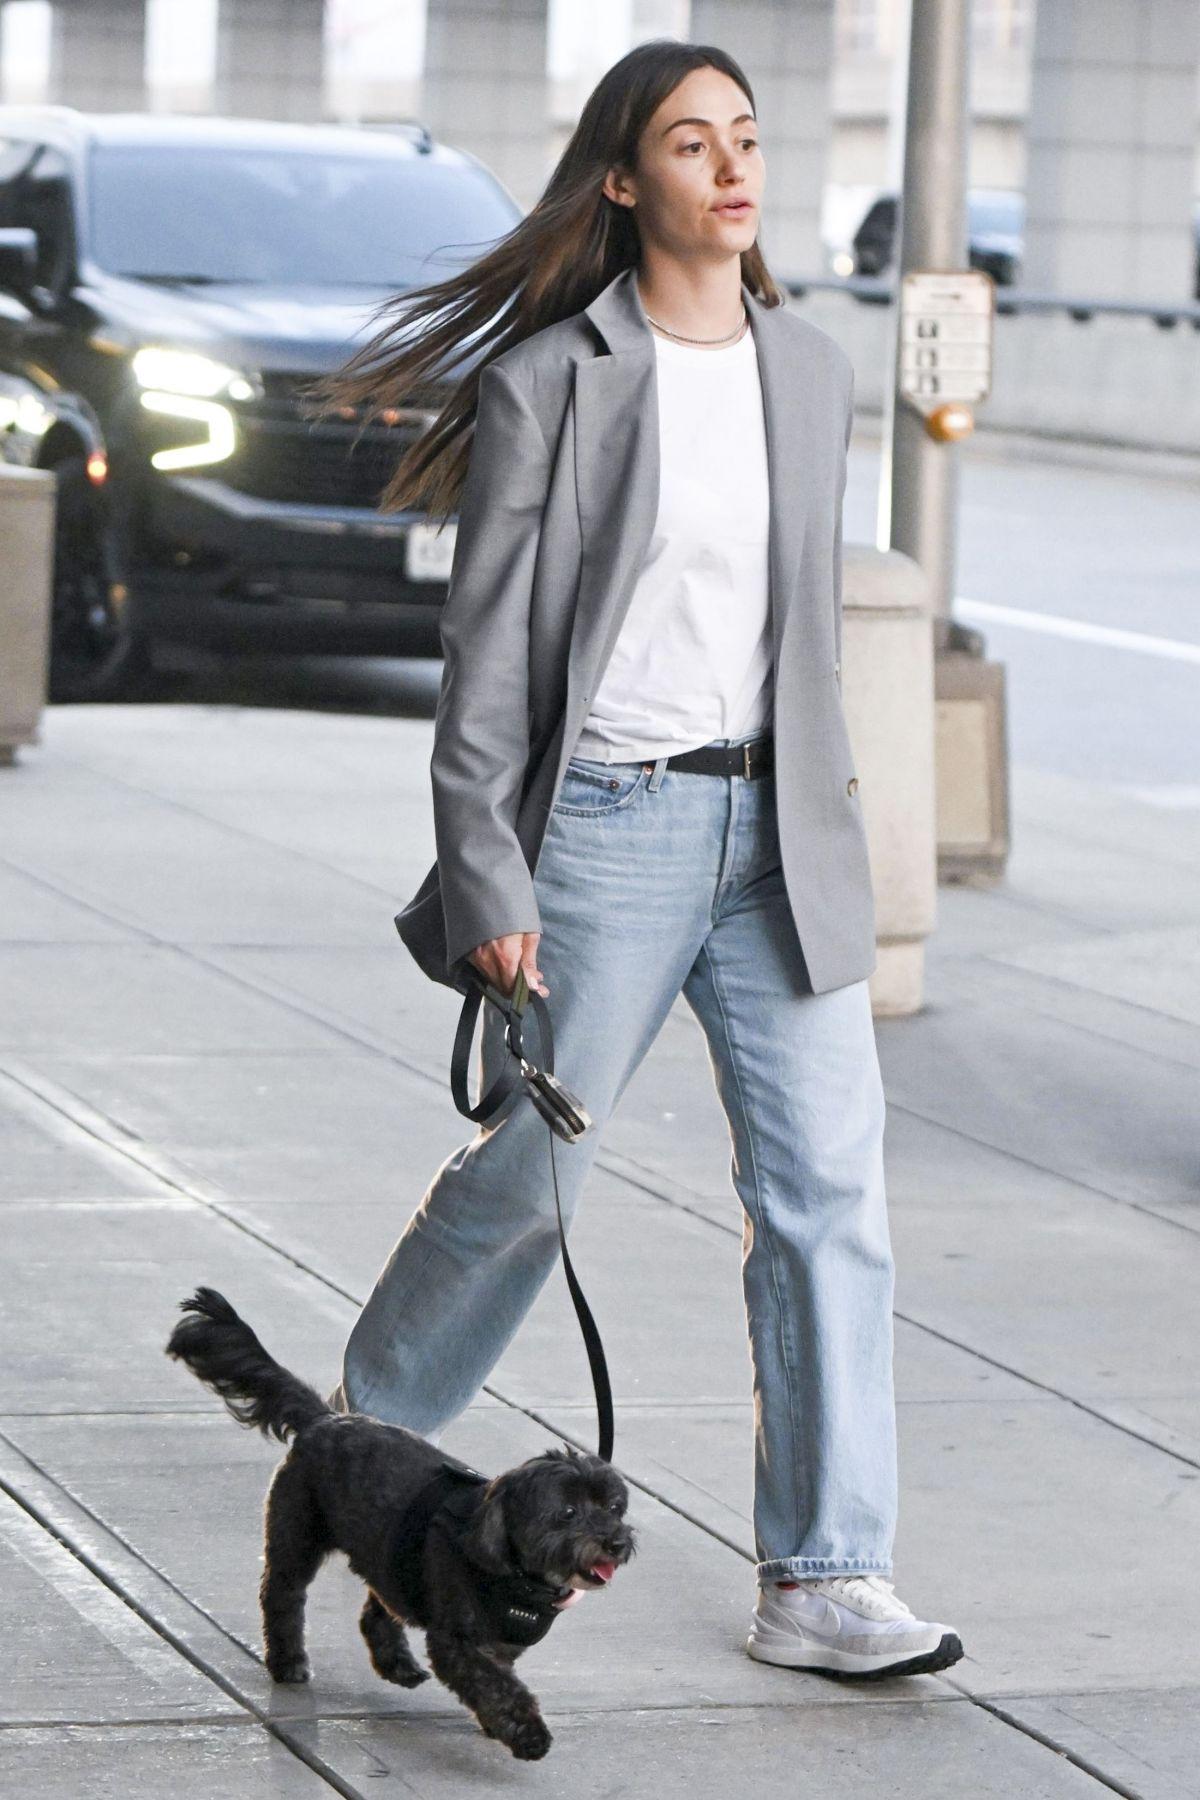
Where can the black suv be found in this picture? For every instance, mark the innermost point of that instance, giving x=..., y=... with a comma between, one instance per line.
x=169, y=288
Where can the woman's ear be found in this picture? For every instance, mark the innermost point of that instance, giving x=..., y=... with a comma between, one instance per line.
x=487, y=1540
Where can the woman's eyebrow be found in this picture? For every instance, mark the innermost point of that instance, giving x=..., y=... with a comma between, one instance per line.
x=740, y=120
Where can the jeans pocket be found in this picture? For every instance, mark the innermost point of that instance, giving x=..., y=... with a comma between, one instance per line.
x=592, y=790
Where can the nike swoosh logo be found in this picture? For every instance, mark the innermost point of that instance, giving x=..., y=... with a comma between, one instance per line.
x=826, y=1624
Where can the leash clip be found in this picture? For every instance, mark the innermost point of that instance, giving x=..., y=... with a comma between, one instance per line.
x=562, y=1110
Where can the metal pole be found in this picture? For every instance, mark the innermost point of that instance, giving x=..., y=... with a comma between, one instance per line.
x=920, y=476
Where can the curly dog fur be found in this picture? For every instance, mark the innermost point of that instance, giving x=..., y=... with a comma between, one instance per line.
x=555, y=1523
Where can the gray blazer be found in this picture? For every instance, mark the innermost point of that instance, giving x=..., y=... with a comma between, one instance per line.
x=557, y=509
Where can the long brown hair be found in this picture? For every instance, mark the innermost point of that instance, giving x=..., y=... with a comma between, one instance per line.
x=571, y=244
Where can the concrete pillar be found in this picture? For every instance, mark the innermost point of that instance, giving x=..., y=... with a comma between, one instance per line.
x=485, y=87
x=786, y=49
x=1111, y=149
x=27, y=499
x=888, y=694
x=270, y=59
x=98, y=55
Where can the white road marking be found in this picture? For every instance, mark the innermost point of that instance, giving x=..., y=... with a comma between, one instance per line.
x=94, y=1603
x=1054, y=625
x=1177, y=798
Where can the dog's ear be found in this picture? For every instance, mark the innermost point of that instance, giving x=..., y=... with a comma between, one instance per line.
x=487, y=1539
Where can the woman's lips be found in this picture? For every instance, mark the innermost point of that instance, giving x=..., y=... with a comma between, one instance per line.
x=733, y=206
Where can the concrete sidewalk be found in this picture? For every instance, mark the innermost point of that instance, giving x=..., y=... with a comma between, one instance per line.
x=218, y=1064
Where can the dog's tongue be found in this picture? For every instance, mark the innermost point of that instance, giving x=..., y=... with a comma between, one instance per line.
x=569, y=1600
x=605, y=1570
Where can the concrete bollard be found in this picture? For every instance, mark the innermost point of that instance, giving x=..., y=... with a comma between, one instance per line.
x=27, y=534
x=887, y=694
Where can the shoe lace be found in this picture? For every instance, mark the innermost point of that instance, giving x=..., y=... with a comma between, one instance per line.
x=870, y=1593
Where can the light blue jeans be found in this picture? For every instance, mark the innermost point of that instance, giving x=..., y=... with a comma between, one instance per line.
x=650, y=882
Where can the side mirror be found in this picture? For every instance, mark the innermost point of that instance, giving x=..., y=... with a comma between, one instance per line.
x=18, y=259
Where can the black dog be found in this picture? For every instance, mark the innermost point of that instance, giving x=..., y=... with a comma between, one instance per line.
x=482, y=1566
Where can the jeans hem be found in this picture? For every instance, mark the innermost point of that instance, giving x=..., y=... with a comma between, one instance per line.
x=815, y=1568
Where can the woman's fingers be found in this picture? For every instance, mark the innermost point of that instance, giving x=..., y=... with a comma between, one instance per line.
x=533, y=974
x=501, y=958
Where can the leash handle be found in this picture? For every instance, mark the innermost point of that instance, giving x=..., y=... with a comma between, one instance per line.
x=565, y=1117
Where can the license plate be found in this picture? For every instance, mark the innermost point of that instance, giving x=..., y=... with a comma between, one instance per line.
x=429, y=552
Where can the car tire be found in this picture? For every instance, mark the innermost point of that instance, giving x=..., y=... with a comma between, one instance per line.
x=95, y=654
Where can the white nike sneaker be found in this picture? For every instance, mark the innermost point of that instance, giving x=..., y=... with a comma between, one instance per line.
x=846, y=1625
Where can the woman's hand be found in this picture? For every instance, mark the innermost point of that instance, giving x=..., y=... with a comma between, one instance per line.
x=500, y=958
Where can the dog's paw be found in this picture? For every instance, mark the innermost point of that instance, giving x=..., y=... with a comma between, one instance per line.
x=530, y=1740
x=289, y=1669
x=405, y=1678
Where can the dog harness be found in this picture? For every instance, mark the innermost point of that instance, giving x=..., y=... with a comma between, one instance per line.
x=520, y=1610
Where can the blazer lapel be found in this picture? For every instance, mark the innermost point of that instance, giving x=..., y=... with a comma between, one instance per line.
x=617, y=470
x=792, y=436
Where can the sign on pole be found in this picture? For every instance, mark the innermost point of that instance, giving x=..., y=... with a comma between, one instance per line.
x=946, y=337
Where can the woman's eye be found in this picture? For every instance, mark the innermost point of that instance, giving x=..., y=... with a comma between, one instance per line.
x=747, y=143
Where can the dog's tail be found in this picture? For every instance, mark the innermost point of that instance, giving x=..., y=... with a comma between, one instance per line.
x=222, y=1351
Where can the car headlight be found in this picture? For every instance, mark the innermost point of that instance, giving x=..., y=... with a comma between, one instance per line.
x=187, y=372
x=184, y=385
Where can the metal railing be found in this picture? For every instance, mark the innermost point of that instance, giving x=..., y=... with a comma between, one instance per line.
x=882, y=290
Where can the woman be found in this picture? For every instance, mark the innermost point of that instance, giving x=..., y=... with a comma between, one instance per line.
x=643, y=786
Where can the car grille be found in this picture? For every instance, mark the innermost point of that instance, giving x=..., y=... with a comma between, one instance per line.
x=284, y=454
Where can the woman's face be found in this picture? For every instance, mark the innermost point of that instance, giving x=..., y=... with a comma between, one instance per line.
x=697, y=156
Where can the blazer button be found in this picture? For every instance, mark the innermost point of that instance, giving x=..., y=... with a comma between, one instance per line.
x=852, y=785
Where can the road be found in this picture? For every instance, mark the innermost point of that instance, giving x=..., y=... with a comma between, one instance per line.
x=1113, y=554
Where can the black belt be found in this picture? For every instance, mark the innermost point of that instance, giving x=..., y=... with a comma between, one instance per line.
x=750, y=760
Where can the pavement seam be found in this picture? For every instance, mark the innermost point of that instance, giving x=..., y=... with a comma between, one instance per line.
x=1040, y=1737
x=137, y=1153
x=646, y=1177
x=61, y=1534
x=152, y=1722
x=278, y=1728
x=61, y=893
x=111, y=1132
x=363, y=1038
x=1000, y=966
x=1028, y=1162
x=355, y=1034
x=116, y=1137
x=189, y=809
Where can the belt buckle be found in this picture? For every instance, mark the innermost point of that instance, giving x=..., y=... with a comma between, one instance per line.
x=746, y=761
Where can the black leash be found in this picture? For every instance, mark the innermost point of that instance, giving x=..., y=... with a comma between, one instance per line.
x=564, y=1114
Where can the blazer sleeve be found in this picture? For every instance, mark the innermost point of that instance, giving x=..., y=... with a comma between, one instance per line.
x=481, y=730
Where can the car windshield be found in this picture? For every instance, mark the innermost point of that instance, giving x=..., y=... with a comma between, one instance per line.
x=289, y=218
x=996, y=212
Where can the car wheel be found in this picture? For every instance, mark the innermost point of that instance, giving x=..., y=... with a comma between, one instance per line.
x=94, y=653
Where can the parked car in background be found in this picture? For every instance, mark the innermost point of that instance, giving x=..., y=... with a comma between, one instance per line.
x=169, y=289
x=42, y=425
x=995, y=234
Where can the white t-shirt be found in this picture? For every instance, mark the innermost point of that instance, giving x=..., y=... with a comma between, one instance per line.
x=693, y=659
